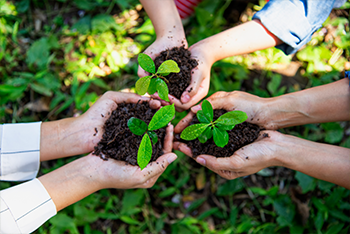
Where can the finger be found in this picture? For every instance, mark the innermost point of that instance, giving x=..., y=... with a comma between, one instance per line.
x=214, y=163
x=169, y=138
x=183, y=148
x=219, y=101
x=196, y=81
x=184, y=122
x=119, y=97
x=156, y=168
x=155, y=104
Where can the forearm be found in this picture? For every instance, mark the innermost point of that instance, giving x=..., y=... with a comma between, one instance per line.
x=63, y=138
x=242, y=39
x=164, y=17
x=322, y=161
x=326, y=103
x=73, y=181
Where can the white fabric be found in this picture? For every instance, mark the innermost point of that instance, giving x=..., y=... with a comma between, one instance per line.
x=25, y=207
x=19, y=151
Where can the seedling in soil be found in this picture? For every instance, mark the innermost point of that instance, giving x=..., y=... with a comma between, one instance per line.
x=137, y=126
x=156, y=82
x=217, y=129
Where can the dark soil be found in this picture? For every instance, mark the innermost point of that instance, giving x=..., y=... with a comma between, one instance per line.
x=241, y=135
x=178, y=82
x=119, y=142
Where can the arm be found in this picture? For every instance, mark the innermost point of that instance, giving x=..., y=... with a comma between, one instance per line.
x=23, y=208
x=325, y=103
x=168, y=26
x=73, y=136
x=322, y=161
x=288, y=25
x=242, y=39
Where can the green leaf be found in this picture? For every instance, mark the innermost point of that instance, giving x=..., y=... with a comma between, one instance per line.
x=206, y=135
x=144, y=153
x=167, y=192
x=39, y=88
x=142, y=85
x=162, y=117
x=228, y=120
x=163, y=90
x=137, y=126
x=193, y=131
x=168, y=66
x=220, y=137
x=153, y=137
x=202, y=117
x=319, y=221
x=208, y=110
x=146, y=63
x=129, y=220
x=152, y=88
x=230, y=187
x=196, y=203
x=306, y=182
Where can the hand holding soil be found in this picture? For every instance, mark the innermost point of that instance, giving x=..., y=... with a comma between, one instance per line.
x=96, y=116
x=118, y=174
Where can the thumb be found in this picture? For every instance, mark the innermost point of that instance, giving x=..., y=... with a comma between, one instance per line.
x=158, y=167
x=197, y=78
x=218, y=101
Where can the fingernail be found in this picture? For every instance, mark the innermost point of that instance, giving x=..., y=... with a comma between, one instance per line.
x=196, y=108
x=201, y=161
x=185, y=98
x=171, y=158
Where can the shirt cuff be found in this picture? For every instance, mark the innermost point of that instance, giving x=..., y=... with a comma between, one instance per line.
x=25, y=207
x=293, y=22
x=20, y=151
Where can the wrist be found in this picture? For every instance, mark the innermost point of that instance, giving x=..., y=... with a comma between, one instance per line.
x=63, y=138
x=285, y=111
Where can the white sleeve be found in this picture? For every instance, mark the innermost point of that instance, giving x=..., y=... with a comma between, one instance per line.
x=19, y=151
x=25, y=207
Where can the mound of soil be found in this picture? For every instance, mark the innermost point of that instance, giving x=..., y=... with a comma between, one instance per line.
x=241, y=135
x=119, y=142
x=178, y=82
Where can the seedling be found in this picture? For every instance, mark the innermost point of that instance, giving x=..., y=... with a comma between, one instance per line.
x=137, y=126
x=156, y=82
x=217, y=129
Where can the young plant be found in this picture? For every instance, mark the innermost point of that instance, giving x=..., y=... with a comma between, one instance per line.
x=156, y=82
x=217, y=129
x=137, y=126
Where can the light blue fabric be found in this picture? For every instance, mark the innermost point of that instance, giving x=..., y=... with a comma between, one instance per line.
x=294, y=21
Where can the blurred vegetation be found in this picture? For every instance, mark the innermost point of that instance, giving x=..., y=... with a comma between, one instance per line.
x=57, y=57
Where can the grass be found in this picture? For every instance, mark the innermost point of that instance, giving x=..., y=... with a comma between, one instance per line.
x=57, y=57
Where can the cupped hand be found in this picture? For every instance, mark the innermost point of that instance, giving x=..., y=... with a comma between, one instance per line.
x=93, y=120
x=200, y=80
x=116, y=174
x=166, y=42
x=247, y=160
x=260, y=111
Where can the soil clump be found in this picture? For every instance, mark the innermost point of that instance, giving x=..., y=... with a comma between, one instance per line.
x=178, y=82
x=118, y=142
x=241, y=135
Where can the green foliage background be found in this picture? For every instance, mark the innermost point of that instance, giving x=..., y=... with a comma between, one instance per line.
x=57, y=57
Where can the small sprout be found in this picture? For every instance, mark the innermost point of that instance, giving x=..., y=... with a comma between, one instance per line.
x=156, y=82
x=137, y=126
x=217, y=129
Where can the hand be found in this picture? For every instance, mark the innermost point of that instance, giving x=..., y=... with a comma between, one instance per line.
x=200, y=79
x=86, y=175
x=165, y=42
x=115, y=174
x=260, y=111
x=94, y=119
x=247, y=160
